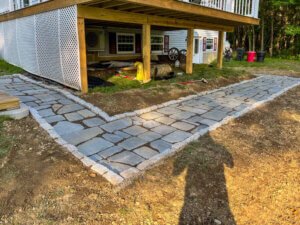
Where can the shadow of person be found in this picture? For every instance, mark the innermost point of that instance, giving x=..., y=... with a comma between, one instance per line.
x=206, y=198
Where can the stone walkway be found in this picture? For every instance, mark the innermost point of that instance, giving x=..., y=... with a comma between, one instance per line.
x=119, y=149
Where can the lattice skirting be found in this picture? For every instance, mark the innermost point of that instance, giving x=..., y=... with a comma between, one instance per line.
x=45, y=44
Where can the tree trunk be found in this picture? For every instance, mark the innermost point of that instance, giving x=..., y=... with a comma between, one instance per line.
x=272, y=35
x=262, y=47
x=253, y=38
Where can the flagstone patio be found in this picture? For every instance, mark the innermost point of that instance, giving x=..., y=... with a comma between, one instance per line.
x=122, y=146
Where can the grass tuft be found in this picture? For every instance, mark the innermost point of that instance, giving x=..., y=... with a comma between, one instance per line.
x=8, y=69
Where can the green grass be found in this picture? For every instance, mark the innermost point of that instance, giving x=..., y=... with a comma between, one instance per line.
x=5, y=141
x=8, y=69
x=272, y=63
x=200, y=71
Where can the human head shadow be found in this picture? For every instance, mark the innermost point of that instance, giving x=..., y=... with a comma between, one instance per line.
x=206, y=199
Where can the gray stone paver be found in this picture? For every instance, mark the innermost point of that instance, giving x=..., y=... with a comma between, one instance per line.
x=132, y=143
x=94, y=146
x=64, y=127
x=118, y=149
x=94, y=122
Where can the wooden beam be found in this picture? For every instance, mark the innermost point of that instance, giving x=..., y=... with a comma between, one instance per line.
x=190, y=50
x=220, y=50
x=197, y=10
x=147, y=52
x=82, y=54
x=136, y=18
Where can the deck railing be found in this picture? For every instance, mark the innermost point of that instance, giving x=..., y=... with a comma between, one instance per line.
x=241, y=7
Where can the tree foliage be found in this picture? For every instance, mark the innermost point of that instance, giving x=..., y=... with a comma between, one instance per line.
x=279, y=31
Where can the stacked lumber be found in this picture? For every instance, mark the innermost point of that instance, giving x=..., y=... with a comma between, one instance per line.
x=8, y=102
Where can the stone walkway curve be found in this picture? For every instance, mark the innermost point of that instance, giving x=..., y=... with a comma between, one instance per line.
x=121, y=147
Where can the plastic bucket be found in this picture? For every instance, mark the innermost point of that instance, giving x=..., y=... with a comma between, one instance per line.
x=251, y=56
x=260, y=56
x=240, y=54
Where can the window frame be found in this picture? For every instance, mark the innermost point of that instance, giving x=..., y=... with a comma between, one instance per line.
x=212, y=44
x=133, y=43
x=160, y=44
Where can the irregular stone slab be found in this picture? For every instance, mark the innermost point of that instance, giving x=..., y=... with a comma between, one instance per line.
x=42, y=107
x=182, y=116
x=146, y=152
x=169, y=110
x=165, y=120
x=122, y=134
x=177, y=136
x=117, y=167
x=135, y=130
x=151, y=115
x=54, y=119
x=47, y=97
x=117, y=125
x=81, y=136
x=163, y=129
x=96, y=157
x=183, y=126
x=126, y=157
x=150, y=136
x=56, y=107
x=132, y=143
x=160, y=145
x=94, y=146
x=193, y=109
x=113, y=138
x=63, y=128
x=70, y=108
x=110, y=151
x=94, y=122
x=216, y=115
x=73, y=117
x=65, y=101
x=46, y=113
x=151, y=124
x=208, y=122
x=86, y=113
x=32, y=104
x=27, y=99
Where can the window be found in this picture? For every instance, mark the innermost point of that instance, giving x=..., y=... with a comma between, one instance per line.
x=125, y=43
x=210, y=44
x=157, y=43
x=196, y=51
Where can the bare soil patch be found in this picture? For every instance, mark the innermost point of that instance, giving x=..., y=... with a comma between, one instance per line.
x=131, y=100
x=271, y=71
x=246, y=172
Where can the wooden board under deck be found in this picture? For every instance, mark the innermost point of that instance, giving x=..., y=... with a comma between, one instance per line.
x=8, y=102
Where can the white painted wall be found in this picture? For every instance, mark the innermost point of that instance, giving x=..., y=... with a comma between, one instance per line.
x=178, y=40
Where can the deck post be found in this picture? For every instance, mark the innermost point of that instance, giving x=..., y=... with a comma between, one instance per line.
x=190, y=50
x=147, y=52
x=82, y=55
x=220, y=50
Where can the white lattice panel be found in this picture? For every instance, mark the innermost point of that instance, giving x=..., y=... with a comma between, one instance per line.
x=48, y=48
x=27, y=44
x=69, y=46
x=1, y=41
x=45, y=44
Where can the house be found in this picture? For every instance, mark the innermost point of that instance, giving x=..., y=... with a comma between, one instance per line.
x=57, y=39
x=205, y=44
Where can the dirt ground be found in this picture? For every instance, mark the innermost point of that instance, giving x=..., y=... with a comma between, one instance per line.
x=246, y=172
x=127, y=101
x=268, y=70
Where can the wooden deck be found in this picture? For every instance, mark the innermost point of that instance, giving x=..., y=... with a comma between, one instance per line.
x=8, y=102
